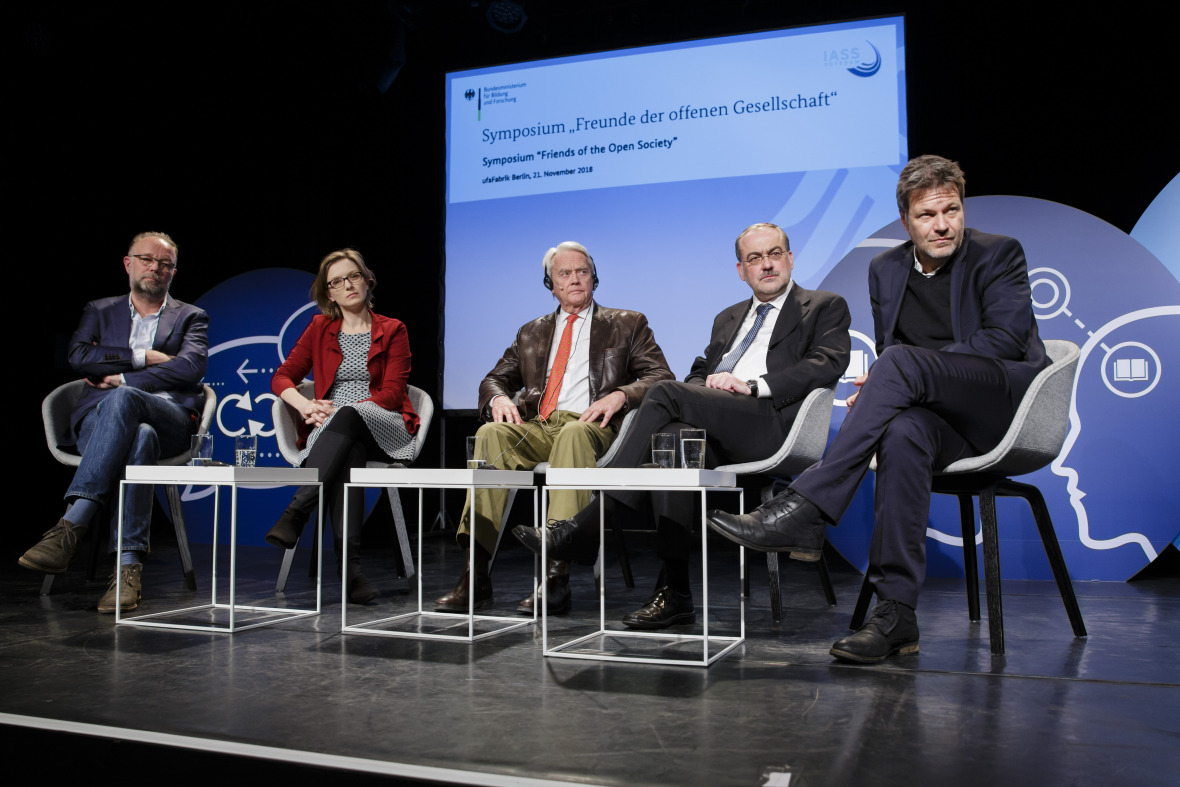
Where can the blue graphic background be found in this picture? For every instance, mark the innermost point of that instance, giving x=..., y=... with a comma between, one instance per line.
x=1085, y=274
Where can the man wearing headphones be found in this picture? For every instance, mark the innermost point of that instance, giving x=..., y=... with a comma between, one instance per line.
x=578, y=371
x=765, y=355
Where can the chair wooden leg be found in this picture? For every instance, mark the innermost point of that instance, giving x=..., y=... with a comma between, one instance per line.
x=403, y=538
x=47, y=584
x=776, y=598
x=970, y=564
x=991, y=569
x=861, y=610
x=1044, y=524
x=826, y=580
x=186, y=557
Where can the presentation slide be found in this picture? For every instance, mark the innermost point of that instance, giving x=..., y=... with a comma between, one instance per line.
x=655, y=159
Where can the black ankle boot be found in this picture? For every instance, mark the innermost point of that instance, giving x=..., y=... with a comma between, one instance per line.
x=360, y=589
x=285, y=533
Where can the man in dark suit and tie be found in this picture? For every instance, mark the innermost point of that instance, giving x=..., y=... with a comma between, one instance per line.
x=764, y=356
x=957, y=348
x=143, y=357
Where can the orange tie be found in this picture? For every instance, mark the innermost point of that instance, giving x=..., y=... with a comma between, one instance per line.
x=553, y=387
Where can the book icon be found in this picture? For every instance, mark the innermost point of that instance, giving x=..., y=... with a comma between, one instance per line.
x=1130, y=369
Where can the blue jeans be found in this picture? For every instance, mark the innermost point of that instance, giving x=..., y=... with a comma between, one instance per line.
x=128, y=427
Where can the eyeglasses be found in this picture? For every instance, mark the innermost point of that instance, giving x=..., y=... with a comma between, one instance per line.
x=773, y=256
x=147, y=260
x=354, y=278
x=565, y=273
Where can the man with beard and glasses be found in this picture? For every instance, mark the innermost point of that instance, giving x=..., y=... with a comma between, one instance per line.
x=142, y=356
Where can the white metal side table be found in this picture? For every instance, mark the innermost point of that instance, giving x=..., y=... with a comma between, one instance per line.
x=713, y=647
x=217, y=477
x=423, y=479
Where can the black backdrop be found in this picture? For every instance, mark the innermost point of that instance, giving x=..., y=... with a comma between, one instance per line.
x=266, y=134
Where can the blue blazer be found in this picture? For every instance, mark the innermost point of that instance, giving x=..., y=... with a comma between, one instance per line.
x=99, y=347
x=991, y=304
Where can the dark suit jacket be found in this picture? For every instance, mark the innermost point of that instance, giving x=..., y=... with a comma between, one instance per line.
x=624, y=357
x=100, y=347
x=991, y=304
x=809, y=347
x=318, y=352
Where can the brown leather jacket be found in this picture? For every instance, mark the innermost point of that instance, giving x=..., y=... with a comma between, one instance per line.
x=624, y=357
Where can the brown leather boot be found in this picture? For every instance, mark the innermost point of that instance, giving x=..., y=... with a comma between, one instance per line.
x=556, y=593
x=458, y=599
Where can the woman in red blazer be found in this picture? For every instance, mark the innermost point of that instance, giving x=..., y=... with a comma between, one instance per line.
x=360, y=362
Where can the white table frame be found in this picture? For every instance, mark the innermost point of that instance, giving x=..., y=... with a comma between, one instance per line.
x=217, y=477
x=393, y=478
x=649, y=480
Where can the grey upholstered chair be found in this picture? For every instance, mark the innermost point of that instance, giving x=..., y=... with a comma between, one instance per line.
x=55, y=417
x=803, y=447
x=1033, y=440
x=286, y=425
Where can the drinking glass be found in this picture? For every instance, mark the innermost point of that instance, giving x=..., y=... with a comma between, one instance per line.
x=477, y=452
x=663, y=449
x=201, y=450
x=692, y=448
x=245, y=450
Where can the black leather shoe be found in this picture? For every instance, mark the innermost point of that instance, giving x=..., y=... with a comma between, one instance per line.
x=666, y=608
x=458, y=599
x=893, y=628
x=558, y=599
x=566, y=540
x=788, y=522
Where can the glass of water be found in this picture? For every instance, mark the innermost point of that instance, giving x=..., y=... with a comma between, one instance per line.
x=477, y=452
x=245, y=450
x=692, y=448
x=663, y=449
x=201, y=450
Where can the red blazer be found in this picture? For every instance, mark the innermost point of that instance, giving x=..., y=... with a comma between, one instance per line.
x=318, y=352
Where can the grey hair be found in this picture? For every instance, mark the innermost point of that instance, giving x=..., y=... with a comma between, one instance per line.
x=928, y=172
x=569, y=245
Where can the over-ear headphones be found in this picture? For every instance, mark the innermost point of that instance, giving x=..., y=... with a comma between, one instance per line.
x=568, y=245
x=548, y=281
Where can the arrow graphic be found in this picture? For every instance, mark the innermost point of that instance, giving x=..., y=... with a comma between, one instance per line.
x=243, y=371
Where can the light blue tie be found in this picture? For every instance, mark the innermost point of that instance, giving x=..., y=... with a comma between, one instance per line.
x=730, y=361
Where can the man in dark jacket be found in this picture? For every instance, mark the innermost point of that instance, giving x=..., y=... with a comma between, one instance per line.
x=957, y=348
x=143, y=357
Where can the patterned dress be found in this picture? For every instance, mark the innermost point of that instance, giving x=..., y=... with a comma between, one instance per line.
x=350, y=387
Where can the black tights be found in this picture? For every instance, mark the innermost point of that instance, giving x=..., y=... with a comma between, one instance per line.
x=343, y=444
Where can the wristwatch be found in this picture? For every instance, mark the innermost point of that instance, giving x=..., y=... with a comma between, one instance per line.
x=753, y=387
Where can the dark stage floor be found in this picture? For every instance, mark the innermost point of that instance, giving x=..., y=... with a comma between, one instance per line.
x=1054, y=710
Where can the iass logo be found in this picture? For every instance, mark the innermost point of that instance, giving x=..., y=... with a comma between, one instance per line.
x=855, y=60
